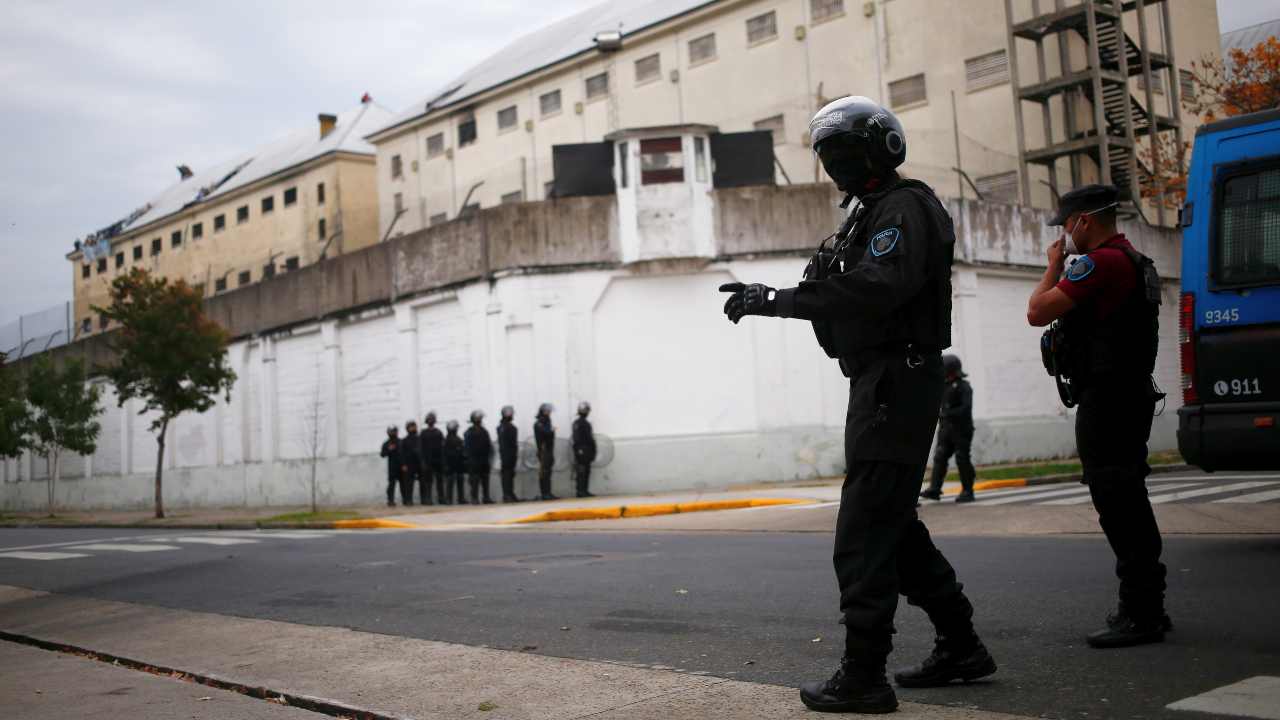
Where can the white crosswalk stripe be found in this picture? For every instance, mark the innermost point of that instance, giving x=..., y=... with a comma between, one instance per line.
x=1089, y=498
x=1162, y=490
x=210, y=540
x=125, y=547
x=156, y=543
x=1211, y=490
x=1039, y=494
x=37, y=555
x=1257, y=497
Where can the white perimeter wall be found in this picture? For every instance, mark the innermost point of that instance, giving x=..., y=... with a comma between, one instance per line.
x=688, y=399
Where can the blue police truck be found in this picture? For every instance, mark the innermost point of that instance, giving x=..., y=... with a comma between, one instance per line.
x=1229, y=314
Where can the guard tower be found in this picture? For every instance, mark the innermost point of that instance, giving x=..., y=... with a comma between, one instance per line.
x=1090, y=114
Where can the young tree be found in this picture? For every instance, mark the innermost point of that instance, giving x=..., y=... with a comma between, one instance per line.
x=15, y=415
x=171, y=355
x=63, y=408
x=1245, y=81
x=311, y=432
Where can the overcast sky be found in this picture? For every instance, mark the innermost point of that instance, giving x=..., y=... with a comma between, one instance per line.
x=101, y=100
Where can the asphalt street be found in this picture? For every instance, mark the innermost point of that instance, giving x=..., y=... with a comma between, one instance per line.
x=751, y=606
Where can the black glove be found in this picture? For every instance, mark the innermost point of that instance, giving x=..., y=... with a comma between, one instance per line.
x=753, y=299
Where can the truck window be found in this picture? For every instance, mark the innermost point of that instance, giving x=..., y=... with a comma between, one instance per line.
x=1248, y=247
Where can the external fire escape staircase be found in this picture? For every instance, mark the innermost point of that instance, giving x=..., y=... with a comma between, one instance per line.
x=1110, y=139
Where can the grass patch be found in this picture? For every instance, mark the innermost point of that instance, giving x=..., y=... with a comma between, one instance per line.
x=321, y=516
x=1054, y=468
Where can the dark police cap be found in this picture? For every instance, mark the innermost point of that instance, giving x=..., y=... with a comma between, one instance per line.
x=1086, y=198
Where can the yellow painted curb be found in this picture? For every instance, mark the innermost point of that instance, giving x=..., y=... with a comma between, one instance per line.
x=621, y=511
x=370, y=524
x=991, y=485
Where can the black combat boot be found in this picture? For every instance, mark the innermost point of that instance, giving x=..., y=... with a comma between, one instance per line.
x=853, y=689
x=965, y=497
x=1125, y=630
x=952, y=658
x=931, y=494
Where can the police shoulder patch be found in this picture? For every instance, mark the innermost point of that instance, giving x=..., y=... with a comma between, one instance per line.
x=883, y=242
x=1080, y=269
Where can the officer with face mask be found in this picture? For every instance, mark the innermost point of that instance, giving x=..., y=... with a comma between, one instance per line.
x=479, y=448
x=584, y=450
x=955, y=432
x=880, y=302
x=1102, y=350
x=396, y=468
x=508, y=452
x=544, y=437
x=432, y=460
x=455, y=464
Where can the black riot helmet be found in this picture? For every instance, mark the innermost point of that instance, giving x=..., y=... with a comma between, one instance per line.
x=858, y=141
x=584, y=408
x=430, y=419
x=452, y=427
x=392, y=431
x=951, y=365
x=508, y=412
x=544, y=409
x=476, y=416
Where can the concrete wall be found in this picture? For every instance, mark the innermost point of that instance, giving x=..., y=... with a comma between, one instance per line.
x=463, y=316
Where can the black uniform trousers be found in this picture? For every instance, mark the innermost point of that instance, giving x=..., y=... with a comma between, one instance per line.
x=508, y=474
x=1113, y=423
x=393, y=479
x=408, y=481
x=479, y=480
x=426, y=477
x=546, y=463
x=953, y=441
x=581, y=476
x=882, y=549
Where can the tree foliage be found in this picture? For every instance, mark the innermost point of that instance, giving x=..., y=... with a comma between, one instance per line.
x=64, y=408
x=172, y=357
x=15, y=415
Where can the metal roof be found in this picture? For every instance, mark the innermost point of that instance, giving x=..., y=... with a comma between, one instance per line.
x=1247, y=37
x=547, y=46
x=293, y=149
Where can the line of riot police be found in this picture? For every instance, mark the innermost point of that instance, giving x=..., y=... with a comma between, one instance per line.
x=446, y=467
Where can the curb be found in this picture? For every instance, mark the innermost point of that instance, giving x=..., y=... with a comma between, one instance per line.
x=1055, y=479
x=630, y=511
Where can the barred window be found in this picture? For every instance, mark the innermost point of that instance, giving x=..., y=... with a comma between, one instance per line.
x=1000, y=188
x=466, y=131
x=244, y=278
x=824, y=9
x=102, y=265
x=648, y=68
x=137, y=252
x=1186, y=83
x=435, y=145
x=702, y=49
x=290, y=196
x=1157, y=82
x=907, y=91
x=398, y=199
x=762, y=27
x=155, y=246
x=268, y=204
x=661, y=161
x=397, y=167
x=549, y=103
x=987, y=70
x=220, y=285
x=776, y=126
x=291, y=263
x=598, y=86
x=219, y=223
x=1248, y=238
x=175, y=238
x=319, y=193
x=84, y=271
x=507, y=118
x=242, y=214
x=119, y=260
x=197, y=231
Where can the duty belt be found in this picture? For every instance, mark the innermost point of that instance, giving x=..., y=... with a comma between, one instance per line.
x=913, y=354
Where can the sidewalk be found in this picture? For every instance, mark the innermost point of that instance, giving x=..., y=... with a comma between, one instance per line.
x=375, y=676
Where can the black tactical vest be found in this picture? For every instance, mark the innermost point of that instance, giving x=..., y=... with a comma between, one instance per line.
x=1123, y=344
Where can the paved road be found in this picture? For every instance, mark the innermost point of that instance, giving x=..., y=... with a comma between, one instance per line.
x=746, y=605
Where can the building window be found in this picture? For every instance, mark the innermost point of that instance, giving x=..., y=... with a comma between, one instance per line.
x=137, y=252
x=103, y=322
x=398, y=199
x=762, y=27
x=268, y=204
x=702, y=49
x=549, y=103
x=776, y=126
x=244, y=278
x=907, y=91
x=290, y=196
x=820, y=10
x=623, y=170
x=513, y=197
x=1000, y=188
x=598, y=86
x=86, y=325
x=219, y=223
x=648, y=68
x=85, y=269
x=1157, y=83
x=220, y=285
x=397, y=167
x=435, y=145
x=197, y=231
x=242, y=214
x=661, y=161
x=175, y=238
x=102, y=265
x=155, y=247
x=507, y=118
x=985, y=71
x=319, y=193
x=1186, y=83
x=466, y=131
x=291, y=263
x=321, y=229
x=119, y=260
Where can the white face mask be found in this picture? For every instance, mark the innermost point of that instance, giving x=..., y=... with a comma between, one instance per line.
x=1069, y=243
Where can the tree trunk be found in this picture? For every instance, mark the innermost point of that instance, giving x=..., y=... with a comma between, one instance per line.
x=313, y=485
x=48, y=466
x=164, y=425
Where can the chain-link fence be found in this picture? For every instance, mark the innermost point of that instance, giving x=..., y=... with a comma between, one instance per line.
x=36, y=332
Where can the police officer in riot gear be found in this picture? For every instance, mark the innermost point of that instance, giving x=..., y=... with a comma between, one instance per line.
x=508, y=452
x=479, y=448
x=584, y=450
x=432, y=460
x=880, y=302
x=455, y=463
x=411, y=454
x=1101, y=348
x=955, y=432
x=544, y=437
x=395, y=464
